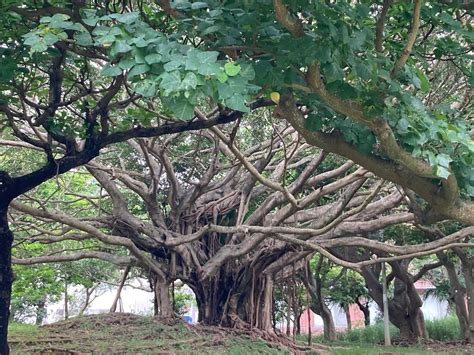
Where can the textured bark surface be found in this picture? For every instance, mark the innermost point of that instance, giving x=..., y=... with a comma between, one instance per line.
x=162, y=301
x=6, y=278
x=457, y=294
x=113, y=307
x=318, y=305
x=468, y=271
x=364, y=307
x=230, y=300
x=405, y=306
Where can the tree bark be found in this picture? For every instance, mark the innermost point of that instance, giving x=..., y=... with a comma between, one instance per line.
x=66, y=301
x=348, y=317
x=40, y=311
x=365, y=309
x=226, y=299
x=324, y=312
x=318, y=306
x=6, y=278
x=468, y=271
x=163, y=304
x=119, y=289
x=457, y=294
x=87, y=301
x=405, y=307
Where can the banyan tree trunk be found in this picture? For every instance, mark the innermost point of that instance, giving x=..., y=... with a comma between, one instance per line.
x=232, y=300
x=457, y=294
x=404, y=308
x=162, y=300
x=468, y=272
x=321, y=309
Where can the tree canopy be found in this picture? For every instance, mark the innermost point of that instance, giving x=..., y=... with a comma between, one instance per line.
x=361, y=79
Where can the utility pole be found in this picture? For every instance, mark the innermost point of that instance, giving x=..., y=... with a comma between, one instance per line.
x=386, y=322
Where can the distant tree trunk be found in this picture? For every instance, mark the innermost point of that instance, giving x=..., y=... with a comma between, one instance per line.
x=405, y=307
x=365, y=309
x=457, y=294
x=348, y=317
x=273, y=316
x=6, y=277
x=324, y=312
x=66, y=301
x=40, y=311
x=288, y=314
x=468, y=272
x=298, y=324
x=87, y=301
x=113, y=308
x=318, y=306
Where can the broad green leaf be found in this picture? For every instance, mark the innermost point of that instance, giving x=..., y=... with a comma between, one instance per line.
x=111, y=71
x=83, y=39
x=39, y=46
x=247, y=71
x=222, y=77
x=170, y=82
x=146, y=88
x=128, y=18
x=153, y=58
x=50, y=38
x=199, y=5
x=231, y=69
x=180, y=106
x=138, y=69
x=172, y=66
x=121, y=46
x=441, y=171
x=424, y=82
x=189, y=82
x=237, y=102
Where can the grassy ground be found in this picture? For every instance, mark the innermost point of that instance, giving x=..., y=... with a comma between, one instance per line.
x=445, y=338
x=127, y=333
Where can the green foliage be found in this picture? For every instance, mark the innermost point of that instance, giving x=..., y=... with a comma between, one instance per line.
x=182, y=301
x=34, y=287
x=373, y=334
x=154, y=64
x=230, y=53
x=444, y=329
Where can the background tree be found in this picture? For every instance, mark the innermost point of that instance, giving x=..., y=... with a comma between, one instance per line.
x=206, y=206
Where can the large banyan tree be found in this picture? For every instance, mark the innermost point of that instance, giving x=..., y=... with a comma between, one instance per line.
x=225, y=211
x=382, y=83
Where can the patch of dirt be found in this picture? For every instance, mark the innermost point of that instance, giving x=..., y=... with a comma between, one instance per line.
x=450, y=347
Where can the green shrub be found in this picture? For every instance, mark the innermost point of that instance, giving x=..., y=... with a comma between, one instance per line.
x=440, y=329
x=372, y=334
x=444, y=329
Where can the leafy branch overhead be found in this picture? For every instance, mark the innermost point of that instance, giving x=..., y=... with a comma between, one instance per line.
x=366, y=78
